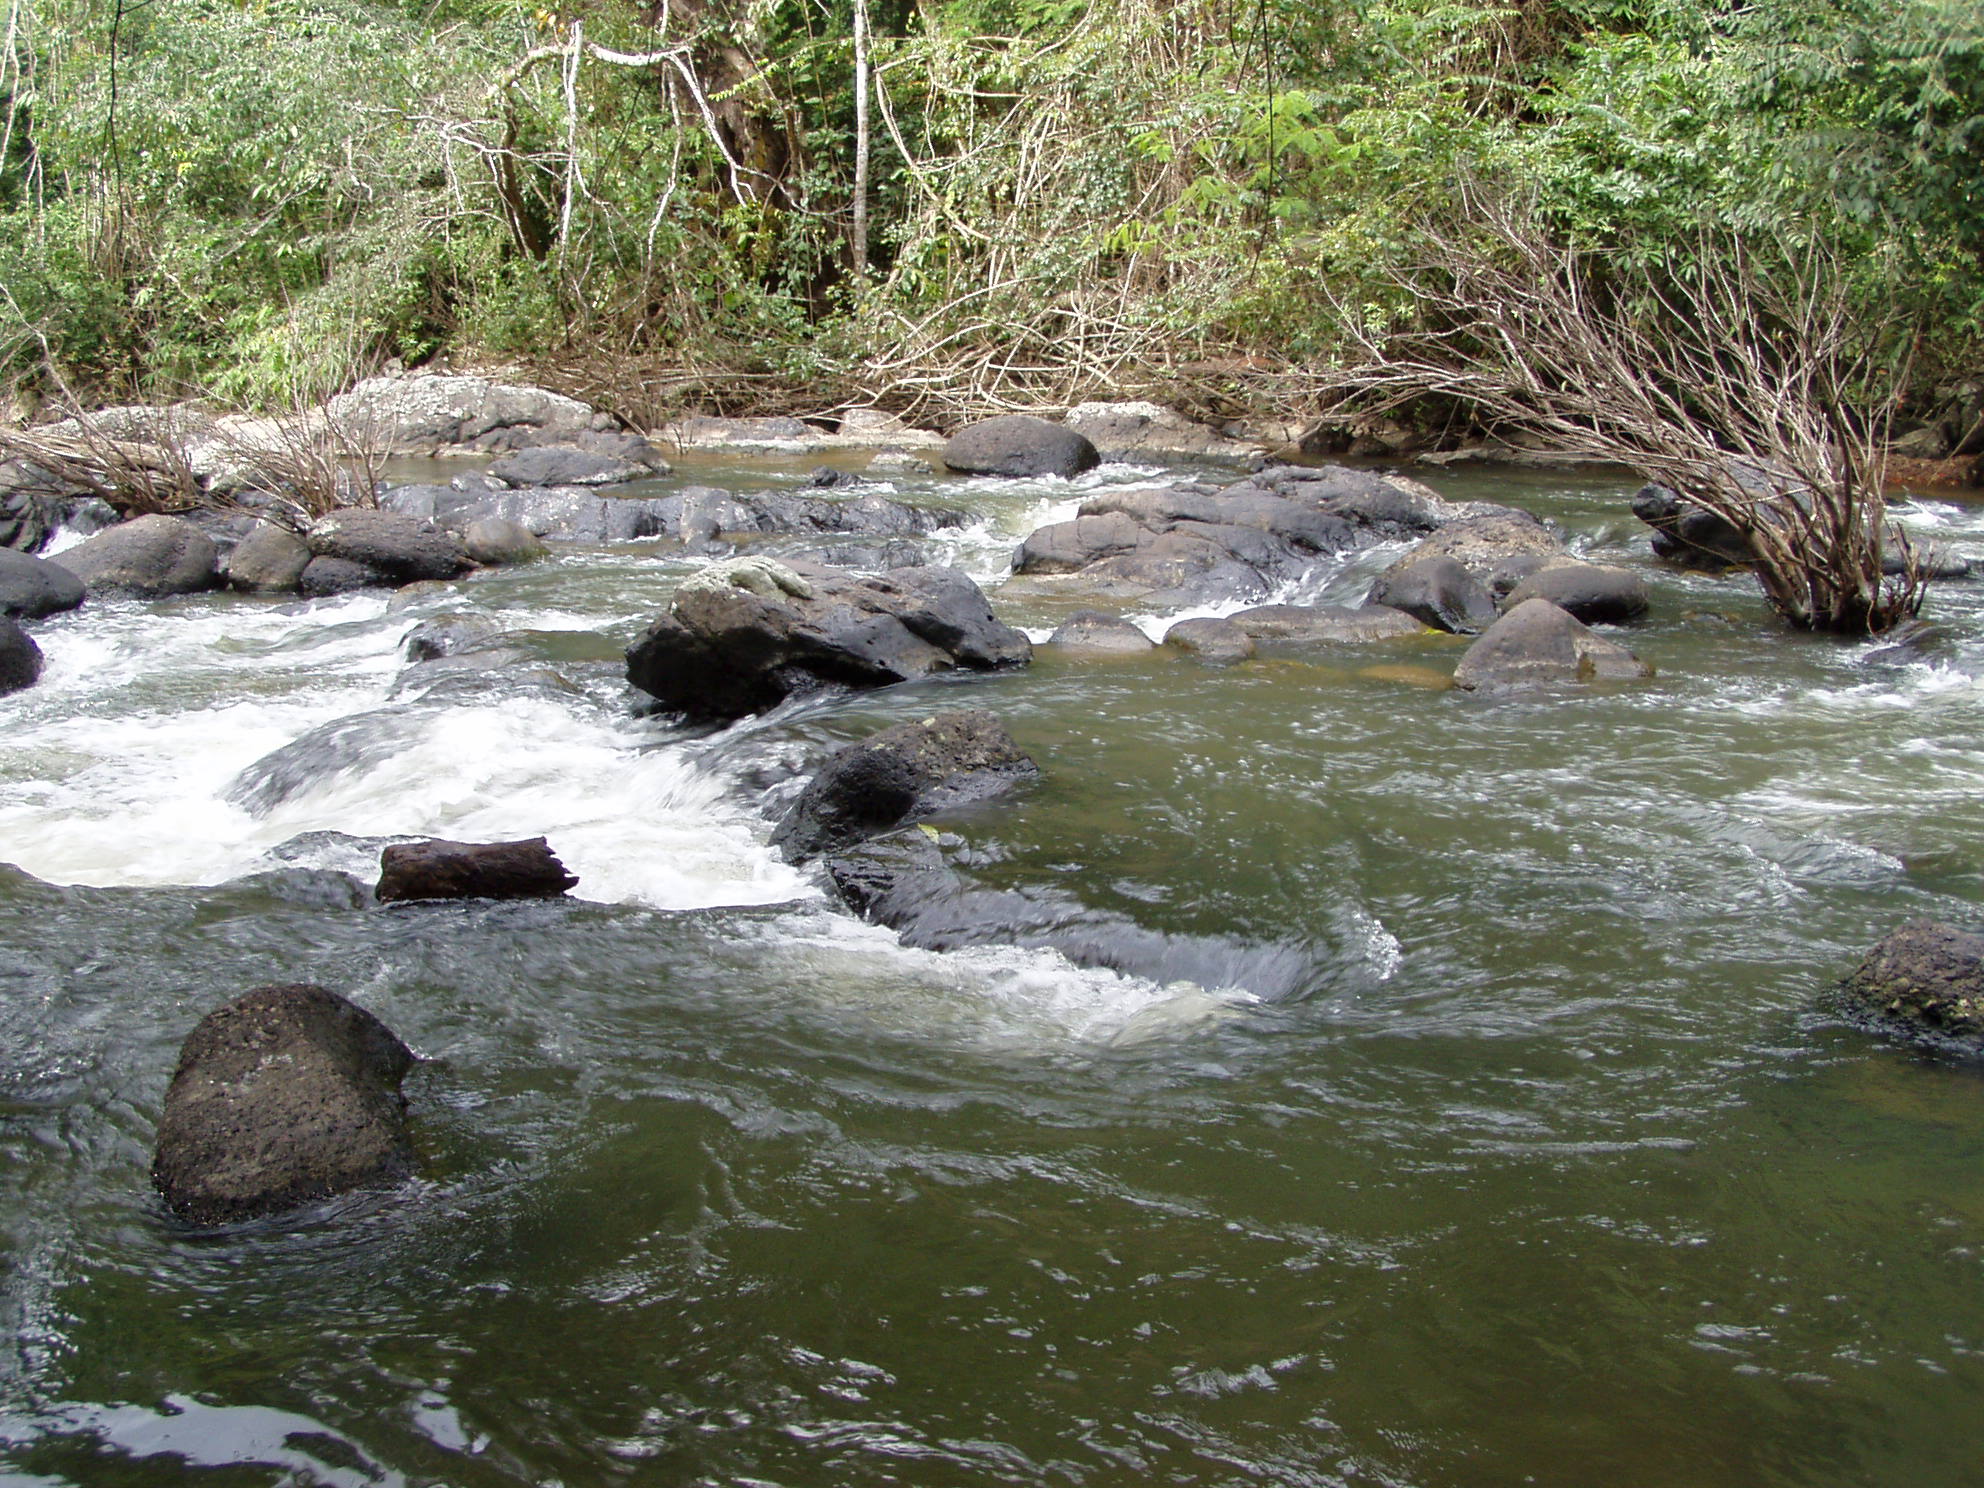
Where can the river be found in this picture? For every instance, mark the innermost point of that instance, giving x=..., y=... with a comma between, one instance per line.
x=1499, y=1130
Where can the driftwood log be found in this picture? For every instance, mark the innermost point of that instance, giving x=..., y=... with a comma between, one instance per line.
x=439, y=869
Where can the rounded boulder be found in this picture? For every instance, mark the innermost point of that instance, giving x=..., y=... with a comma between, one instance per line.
x=148, y=557
x=32, y=587
x=1018, y=444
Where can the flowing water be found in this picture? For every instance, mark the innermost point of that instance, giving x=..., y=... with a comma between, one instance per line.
x=1497, y=1128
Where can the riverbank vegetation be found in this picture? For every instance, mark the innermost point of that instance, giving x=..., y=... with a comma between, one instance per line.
x=1027, y=201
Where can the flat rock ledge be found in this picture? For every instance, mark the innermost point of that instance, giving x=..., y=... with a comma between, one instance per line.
x=1927, y=975
x=747, y=633
x=286, y=1096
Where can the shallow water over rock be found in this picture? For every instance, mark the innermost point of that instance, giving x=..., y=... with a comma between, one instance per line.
x=1505, y=1133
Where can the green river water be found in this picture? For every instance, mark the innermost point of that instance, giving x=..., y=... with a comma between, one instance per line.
x=1500, y=1130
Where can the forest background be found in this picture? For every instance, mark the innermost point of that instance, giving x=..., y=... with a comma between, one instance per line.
x=941, y=206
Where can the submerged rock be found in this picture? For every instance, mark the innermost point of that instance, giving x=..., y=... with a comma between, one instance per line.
x=439, y=869
x=33, y=587
x=449, y=635
x=1538, y=645
x=20, y=658
x=148, y=557
x=1215, y=642
x=901, y=774
x=747, y=633
x=1096, y=634
x=1017, y=444
x=285, y=1096
x=1300, y=625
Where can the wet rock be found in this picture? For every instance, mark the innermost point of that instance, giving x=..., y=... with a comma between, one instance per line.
x=1018, y=444
x=1927, y=974
x=285, y=1096
x=429, y=413
x=1094, y=632
x=439, y=869
x=1299, y=625
x=269, y=560
x=1594, y=593
x=1689, y=536
x=20, y=658
x=826, y=478
x=747, y=633
x=902, y=774
x=1390, y=506
x=1538, y=645
x=566, y=513
x=449, y=635
x=324, y=577
x=784, y=436
x=149, y=557
x=566, y=465
x=1216, y=642
x=354, y=743
x=1909, y=644
x=1069, y=547
x=31, y=587
x=875, y=557
x=403, y=548
x=705, y=514
x=28, y=517
x=901, y=460
x=902, y=880
x=496, y=541
x=1438, y=591
x=1932, y=562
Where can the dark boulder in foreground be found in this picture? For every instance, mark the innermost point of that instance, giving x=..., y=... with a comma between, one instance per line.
x=149, y=557
x=285, y=1096
x=1019, y=444
x=1538, y=645
x=1927, y=974
x=440, y=869
x=912, y=770
x=32, y=587
x=20, y=658
x=747, y=633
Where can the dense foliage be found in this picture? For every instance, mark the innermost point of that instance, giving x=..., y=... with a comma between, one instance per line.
x=263, y=197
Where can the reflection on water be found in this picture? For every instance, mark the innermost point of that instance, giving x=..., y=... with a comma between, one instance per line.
x=1513, y=1139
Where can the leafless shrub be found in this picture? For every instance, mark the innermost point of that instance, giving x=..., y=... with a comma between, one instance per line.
x=1747, y=384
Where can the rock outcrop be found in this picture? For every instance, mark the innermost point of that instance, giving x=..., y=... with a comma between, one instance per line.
x=287, y=1095
x=432, y=413
x=396, y=548
x=902, y=774
x=747, y=633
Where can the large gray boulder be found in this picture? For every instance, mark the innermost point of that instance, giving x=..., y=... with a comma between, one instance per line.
x=1018, y=444
x=1093, y=633
x=404, y=549
x=1538, y=645
x=573, y=465
x=32, y=587
x=496, y=541
x=1309, y=625
x=285, y=1096
x=1213, y=641
x=430, y=413
x=148, y=557
x=20, y=658
x=1928, y=975
x=902, y=774
x=269, y=560
x=1485, y=541
x=747, y=633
